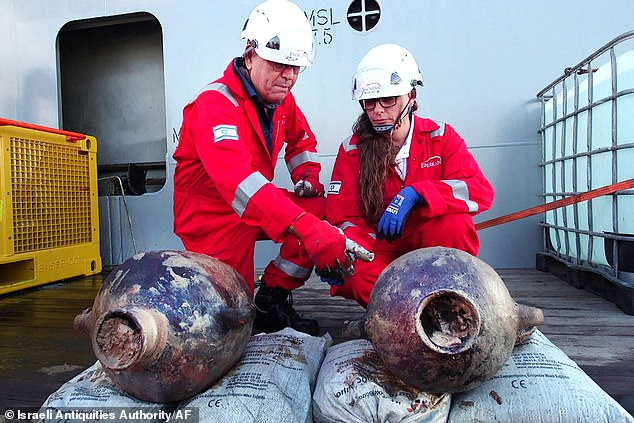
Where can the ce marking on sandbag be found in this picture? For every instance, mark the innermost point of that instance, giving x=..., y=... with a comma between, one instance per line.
x=213, y=403
x=519, y=384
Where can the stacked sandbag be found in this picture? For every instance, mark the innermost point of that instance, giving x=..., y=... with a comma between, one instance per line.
x=272, y=382
x=92, y=396
x=538, y=384
x=354, y=386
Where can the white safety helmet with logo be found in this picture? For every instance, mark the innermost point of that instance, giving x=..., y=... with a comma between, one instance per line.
x=279, y=32
x=386, y=70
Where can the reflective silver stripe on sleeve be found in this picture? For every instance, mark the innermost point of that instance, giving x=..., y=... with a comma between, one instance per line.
x=461, y=192
x=346, y=145
x=247, y=189
x=291, y=269
x=224, y=90
x=300, y=159
x=347, y=224
x=438, y=132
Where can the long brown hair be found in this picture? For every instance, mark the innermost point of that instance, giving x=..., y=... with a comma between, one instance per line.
x=376, y=156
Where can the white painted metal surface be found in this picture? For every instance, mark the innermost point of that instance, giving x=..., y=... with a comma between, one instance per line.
x=482, y=62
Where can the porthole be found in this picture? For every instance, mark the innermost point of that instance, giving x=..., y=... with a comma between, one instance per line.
x=363, y=15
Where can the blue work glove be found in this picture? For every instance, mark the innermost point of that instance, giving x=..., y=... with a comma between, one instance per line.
x=393, y=220
x=331, y=277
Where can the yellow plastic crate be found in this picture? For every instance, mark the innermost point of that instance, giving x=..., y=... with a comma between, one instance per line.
x=49, y=217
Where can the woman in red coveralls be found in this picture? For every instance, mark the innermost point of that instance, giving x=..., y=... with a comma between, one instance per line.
x=400, y=182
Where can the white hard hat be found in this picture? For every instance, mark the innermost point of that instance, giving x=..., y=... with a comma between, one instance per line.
x=280, y=32
x=386, y=70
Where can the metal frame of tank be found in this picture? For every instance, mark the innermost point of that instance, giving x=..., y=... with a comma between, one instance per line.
x=570, y=238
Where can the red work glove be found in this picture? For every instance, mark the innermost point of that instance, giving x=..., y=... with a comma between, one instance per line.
x=325, y=244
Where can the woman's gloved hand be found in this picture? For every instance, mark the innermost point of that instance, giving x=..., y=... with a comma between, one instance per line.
x=331, y=277
x=392, y=222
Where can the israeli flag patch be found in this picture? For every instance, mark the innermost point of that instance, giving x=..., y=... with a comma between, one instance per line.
x=225, y=132
x=334, y=187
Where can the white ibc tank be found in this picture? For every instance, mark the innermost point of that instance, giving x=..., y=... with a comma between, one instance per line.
x=578, y=158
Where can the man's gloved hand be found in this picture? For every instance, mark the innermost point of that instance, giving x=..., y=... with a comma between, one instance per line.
x=393, y=220
x=325, y=244
x=337, y=276
x=308, y=187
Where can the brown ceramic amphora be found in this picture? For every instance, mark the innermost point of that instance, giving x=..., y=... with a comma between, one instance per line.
x=165, y=325
x=443, y=320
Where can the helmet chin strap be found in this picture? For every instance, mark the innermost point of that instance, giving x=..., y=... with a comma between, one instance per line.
x=384, y=129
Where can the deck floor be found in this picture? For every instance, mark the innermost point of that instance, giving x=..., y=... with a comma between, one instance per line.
x=39, y=350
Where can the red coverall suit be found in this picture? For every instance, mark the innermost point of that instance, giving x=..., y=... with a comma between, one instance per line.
x=442, y=171
x=223, y=196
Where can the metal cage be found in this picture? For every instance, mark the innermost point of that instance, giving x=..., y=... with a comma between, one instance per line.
x=587, y=134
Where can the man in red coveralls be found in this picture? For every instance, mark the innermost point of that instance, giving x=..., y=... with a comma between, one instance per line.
x=230, y=139
x=400, y=182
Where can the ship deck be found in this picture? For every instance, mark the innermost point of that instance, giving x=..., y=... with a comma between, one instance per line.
x=39, y=350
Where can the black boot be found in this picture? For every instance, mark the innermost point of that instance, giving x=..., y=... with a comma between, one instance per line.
x=274, y=311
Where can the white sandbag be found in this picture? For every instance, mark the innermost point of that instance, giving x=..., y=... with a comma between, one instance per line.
x=538, y=384
x=91, y=396
x=354, y=386
x=272, y=382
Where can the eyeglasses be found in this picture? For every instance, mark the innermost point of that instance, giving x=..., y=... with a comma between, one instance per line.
x=385, y=102
x=281, y=67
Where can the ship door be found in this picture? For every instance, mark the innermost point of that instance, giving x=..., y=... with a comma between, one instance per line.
x=111, y=84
